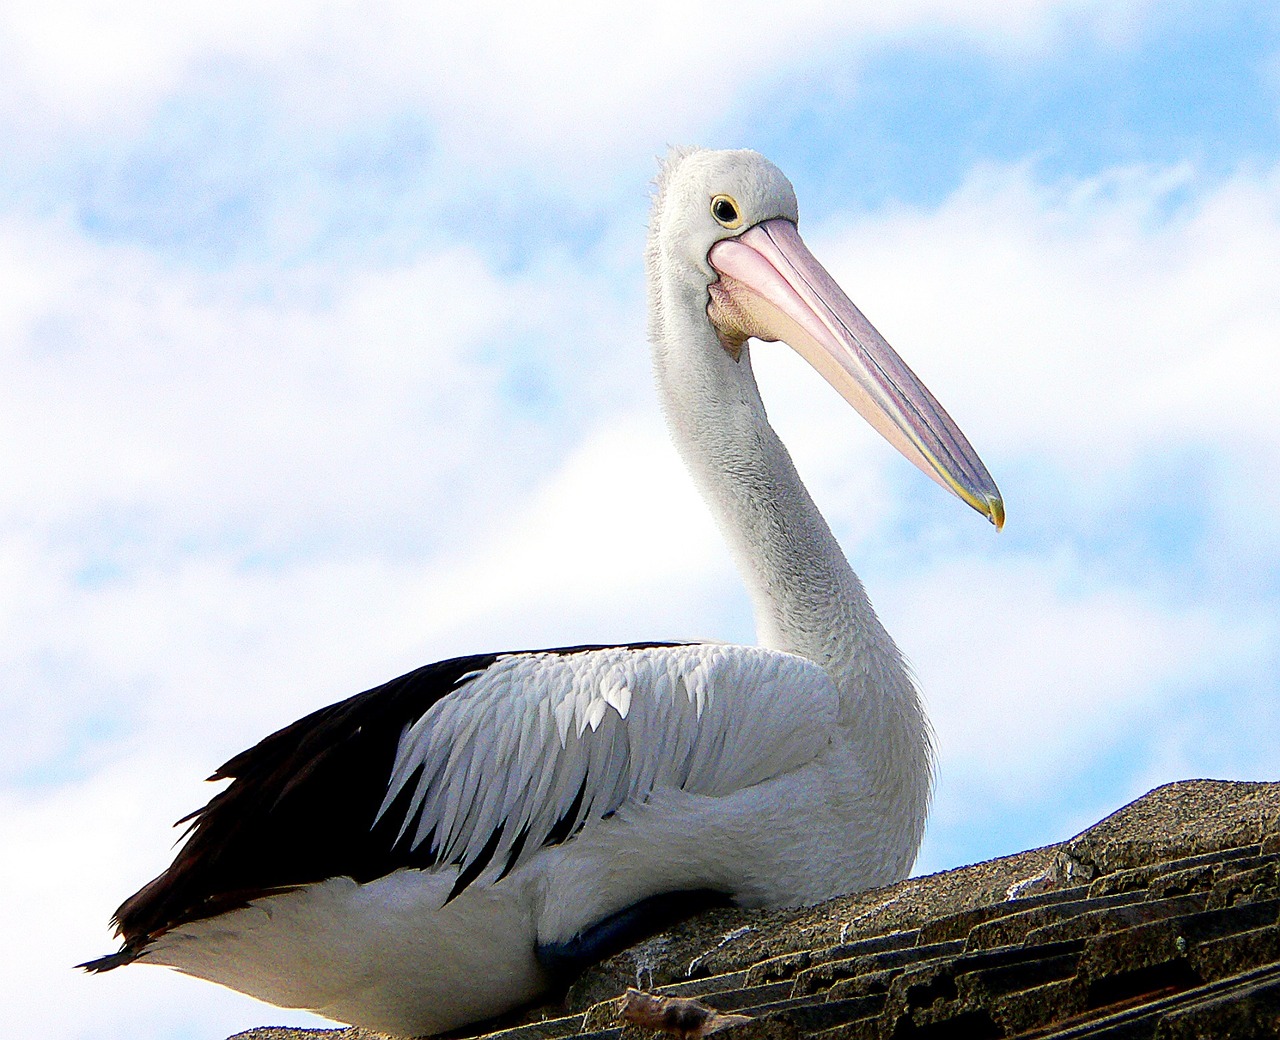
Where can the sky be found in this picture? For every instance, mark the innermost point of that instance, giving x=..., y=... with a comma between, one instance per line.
x=322, y=355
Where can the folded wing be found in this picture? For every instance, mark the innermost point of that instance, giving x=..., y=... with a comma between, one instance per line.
x=529, y=750
x=475, y=763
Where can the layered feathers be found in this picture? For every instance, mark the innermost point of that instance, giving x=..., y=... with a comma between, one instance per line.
x=478, y=762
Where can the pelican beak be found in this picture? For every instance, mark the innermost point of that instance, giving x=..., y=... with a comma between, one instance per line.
x=772, y=288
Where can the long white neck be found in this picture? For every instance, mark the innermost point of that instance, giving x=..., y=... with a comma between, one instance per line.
x=807, y=599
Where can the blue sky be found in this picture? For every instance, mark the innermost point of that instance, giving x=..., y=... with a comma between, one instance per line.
x=861, y=125
x=323, y=355
x=909, y=123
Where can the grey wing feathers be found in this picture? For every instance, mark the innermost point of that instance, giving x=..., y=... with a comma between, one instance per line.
x=523, y=753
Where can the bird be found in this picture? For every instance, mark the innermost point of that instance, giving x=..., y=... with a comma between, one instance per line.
x=452, y=844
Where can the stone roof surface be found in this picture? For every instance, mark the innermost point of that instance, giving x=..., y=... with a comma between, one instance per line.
x=1160, y=921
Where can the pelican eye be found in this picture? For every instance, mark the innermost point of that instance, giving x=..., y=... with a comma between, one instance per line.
x=725, y=210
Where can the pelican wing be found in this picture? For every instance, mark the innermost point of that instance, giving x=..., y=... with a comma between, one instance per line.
x=524, y=753
x=477, y=762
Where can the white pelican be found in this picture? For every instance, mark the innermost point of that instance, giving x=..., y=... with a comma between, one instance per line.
x=437, y=850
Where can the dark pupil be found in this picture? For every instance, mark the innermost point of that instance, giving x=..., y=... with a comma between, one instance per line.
x=724, y=211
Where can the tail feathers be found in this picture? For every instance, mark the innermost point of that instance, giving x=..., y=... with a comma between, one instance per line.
x=127, y=954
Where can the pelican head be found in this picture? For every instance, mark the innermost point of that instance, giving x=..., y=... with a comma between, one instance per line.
x=725, y=224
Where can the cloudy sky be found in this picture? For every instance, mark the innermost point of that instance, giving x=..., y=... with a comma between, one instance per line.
x=322, y=355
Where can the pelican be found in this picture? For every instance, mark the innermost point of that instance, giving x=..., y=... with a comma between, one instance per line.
x=445, y=847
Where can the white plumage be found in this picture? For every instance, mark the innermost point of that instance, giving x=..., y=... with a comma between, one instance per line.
x=401, y=859
x=523, y=737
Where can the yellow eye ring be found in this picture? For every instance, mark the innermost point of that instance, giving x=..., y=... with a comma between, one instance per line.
x=726, y=211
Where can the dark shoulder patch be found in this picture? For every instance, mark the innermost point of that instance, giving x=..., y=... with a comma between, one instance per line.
x=586, y=648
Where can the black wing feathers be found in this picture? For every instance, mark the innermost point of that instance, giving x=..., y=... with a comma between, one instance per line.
x=300, y=807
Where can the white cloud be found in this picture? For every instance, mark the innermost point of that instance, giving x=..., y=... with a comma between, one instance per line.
x=1057, y=696
x=1028, y=673
x=567, y=84
x=199, y=400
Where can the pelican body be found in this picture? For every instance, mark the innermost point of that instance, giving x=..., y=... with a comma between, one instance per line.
x=442, y=848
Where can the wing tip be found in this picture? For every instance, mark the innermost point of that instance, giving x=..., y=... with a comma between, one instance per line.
x=127, y=954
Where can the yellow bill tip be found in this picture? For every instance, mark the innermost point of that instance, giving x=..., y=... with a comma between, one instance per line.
x=995, y=510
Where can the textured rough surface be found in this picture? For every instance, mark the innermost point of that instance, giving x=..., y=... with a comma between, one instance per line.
x=1176, y=821
x=1162, y=920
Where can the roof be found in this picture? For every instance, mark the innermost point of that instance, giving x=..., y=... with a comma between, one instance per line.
x=1158, y=921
